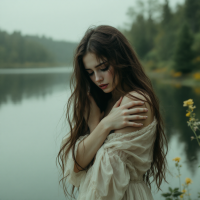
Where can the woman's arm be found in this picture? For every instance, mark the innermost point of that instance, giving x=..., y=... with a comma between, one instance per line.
x=115, y=120
x=90, y=145
x=148, y=113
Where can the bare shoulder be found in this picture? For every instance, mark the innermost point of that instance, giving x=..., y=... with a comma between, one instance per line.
x=135, y=96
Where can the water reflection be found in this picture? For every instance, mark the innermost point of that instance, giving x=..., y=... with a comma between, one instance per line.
x=15, y=87
x=171, y=99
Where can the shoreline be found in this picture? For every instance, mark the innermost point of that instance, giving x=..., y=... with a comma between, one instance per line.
x=192, y=79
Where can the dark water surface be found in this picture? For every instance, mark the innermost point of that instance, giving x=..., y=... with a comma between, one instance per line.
x=32, y=124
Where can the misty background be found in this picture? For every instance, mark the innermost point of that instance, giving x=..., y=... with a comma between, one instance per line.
x=37, y=44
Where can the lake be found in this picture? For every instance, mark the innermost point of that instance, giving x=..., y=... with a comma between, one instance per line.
x=32, y=124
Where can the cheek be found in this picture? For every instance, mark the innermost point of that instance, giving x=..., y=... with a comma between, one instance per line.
x=93, y=80
x=110, y=72
x=108, y=75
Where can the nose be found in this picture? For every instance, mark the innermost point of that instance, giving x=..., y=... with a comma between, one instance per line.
x=98, y=77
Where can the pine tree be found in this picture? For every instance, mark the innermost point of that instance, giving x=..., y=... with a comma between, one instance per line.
x=138, y=36
x=184, y=54
x=166, y=38
x=192, y=14
x=166, y=14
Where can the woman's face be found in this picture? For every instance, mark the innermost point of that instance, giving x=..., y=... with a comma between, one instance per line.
x=100, y=72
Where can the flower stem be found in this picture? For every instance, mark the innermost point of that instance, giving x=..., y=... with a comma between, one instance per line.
x=195, y=135
x=179, y=177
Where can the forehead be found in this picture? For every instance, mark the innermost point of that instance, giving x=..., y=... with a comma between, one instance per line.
x=90, y=61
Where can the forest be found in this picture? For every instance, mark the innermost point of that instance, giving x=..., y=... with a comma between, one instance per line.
x=17, y=50
x=165, y=39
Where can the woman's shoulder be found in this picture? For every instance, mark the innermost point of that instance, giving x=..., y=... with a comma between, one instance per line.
x=136, y=96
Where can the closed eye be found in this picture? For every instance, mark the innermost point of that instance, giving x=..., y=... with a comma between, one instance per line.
x=104, y=69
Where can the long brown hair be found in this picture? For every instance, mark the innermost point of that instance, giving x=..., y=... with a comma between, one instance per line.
x=109, y=44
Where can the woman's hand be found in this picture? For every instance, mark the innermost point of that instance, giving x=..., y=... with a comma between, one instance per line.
x=121, y=116
x=95, y=115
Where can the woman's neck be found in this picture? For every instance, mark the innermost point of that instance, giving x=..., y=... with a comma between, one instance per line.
x=116, y=94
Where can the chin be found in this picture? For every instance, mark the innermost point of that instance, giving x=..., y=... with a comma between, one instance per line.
x=107, y=90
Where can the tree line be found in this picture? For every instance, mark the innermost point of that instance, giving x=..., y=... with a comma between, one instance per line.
x=17, y=50
x=14, y=48
x=163, y=37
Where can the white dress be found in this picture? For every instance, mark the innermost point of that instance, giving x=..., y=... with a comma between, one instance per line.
x=118, y=168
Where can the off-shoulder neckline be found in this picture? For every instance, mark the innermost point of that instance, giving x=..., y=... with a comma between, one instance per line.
x=143, y=129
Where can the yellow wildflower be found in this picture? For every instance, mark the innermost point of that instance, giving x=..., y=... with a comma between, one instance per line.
x=188, y=102
x=197, y=90
x=184, y=191
x=181, y=196
x=191, y=119
x=177, y=74
x=188, y=114
x=197, y=76
x=192, y=107
x=188, y=181
x=177, y=159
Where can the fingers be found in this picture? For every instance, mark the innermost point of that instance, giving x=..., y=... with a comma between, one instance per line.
x=136, y=117
x=137, y=110
x=130, y=120
x=133, y=103
x=133, y=124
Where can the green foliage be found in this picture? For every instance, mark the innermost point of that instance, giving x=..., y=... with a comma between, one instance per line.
x=172, y=194
x=166, y=15
x=16, y=49
x=184, y=55
x=61, y=51
x=196, y=48
x=142, y=29
x=192, y=14
x=157, y=34
x=139, y=41
x=166, y=37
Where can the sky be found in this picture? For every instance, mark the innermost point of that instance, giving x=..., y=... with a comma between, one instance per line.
x=64, y=19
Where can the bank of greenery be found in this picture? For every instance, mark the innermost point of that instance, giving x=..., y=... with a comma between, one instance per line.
x=167, y=41
x=17, y=51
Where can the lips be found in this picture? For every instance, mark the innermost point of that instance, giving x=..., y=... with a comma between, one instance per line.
x=102, y=85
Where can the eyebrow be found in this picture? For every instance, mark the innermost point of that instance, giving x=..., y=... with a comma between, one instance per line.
x=98, y=65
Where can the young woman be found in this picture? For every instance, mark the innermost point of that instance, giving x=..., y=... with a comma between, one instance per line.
x=116, y=140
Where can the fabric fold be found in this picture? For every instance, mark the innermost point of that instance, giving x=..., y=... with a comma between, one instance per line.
x=108, y=178
x=120, y=164
x=117, y=173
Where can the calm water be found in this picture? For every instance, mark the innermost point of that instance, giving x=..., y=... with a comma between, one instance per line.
x=32, y=124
